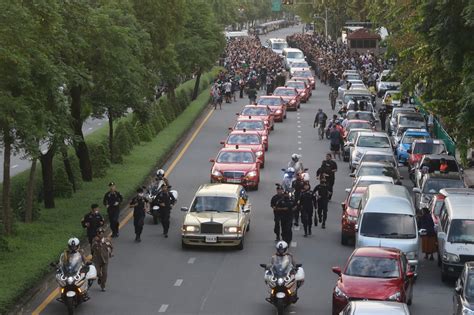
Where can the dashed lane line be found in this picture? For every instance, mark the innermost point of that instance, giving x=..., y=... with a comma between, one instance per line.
x=178, y=283
x=163, y=308
x=191, y=260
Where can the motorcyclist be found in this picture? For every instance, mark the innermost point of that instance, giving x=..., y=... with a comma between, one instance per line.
x=282, y=250
x=288, y=179
x=295, y=163
x=73, y=251
x=160, y=180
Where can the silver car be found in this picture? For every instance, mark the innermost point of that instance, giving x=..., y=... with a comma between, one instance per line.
x=375, y=308
x=368, y=141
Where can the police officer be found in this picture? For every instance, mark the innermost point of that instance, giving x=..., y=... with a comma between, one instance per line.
x=165, y=200
x=288, y=205
x=306, y=202
x=112, y=201
x=92, y=221
x=139, y=204
x=297, y=186
x=101, y=252
x=328, y=170
x=383, y=116
x=322, y=196
x=278, y=211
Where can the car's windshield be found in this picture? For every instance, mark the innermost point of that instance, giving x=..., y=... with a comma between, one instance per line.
x=372, y=267
x=269, y=101
x=295, y=84
x=250, y=125
x=354, y=201
x=378, y=158
x=360, y=115
x=388, y=225
x=373, y=170
x=214, y=203
x=373, y=142
x=303, y=74
x=350, y=97
x=281, y=265
x=408, y=139
x=236, y=157
x=285, y=92
x=461, y=231
x=279, y=46
x=469, y=290
x=410, y=120
x=434, y=185
x=254, y=111
x=428, y=148
x=365, y=183
x=358, y=125
x=295, y=55
x=299, y=65
x=243, y=139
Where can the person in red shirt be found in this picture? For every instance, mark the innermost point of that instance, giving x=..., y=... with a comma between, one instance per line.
x=443, y=166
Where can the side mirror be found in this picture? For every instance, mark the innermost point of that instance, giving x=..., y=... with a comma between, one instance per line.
x=347, y=190
x=184, y=209
x=343, y=205
x=283, y=169
x=422, y=232
x=263, y=266
x=212, y=160
x=222, y=142
x=441, y=235
x=230, y=128
x=352, y=175
x=416, y=190
x=340, y=102
x=298, y=265
x=337, y=270
x=458, y=289
x=410, y=274
x=356, y=227
x=238, y=114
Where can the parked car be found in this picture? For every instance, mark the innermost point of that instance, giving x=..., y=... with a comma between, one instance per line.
x=368, y=141
x=378, y=169
x=375, y=308
x=420, y=147
x=357, y=124
x=463, y=297
x=350, y=139
x=292, y=55
x=366, y=180
x=306, y=74
x=379, y=156
x=276, y=104
x=367, y=115
x=406, y=121
x=350, y=213
x=298, y=66
x=373, y=273
x=453, y=166
x=385, y=82
x=432, y=183
x=406, y=141
x=437, y=202
x=219, y=215
x=393, y=117
x=396, y=97
x=253, y=124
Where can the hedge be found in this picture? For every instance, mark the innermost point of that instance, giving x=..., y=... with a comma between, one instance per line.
x=26, y=255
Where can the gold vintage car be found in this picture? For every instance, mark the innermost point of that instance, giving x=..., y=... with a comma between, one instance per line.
x=219, y=216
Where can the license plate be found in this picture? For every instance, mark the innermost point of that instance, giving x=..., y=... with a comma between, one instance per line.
x=234, y=180
x=211, y=239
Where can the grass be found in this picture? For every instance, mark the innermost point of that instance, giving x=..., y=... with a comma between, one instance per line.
x=37, y=244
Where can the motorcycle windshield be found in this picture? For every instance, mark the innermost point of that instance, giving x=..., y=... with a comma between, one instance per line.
x=281, y=266
x=72, y=264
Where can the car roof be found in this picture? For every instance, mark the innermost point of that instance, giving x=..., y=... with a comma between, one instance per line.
x=277, y=40
x=460, y=206
x=246, y=132
x=439, y=157
x=389, y=198
x=358, y=121
x=284, y=88
x=227, y=190
x=379, y=307
x=297, y=81
x=372, y=133
x=456, y=191
x=370, y=251
x=359, y=111
x=367, y=178
x=377, y=152
x=244, y=118
x=439, y=175
x=412, y=114
x=359, y=129
x=429, y=140
x=270, y=96
x=234, y=149
x=357, y=92
x=377, y=164
x=289, y=49
x=416, y=131
x=358, y=190
x=257, y=106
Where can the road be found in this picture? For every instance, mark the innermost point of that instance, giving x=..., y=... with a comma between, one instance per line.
x=19, y=163
x=157, y=276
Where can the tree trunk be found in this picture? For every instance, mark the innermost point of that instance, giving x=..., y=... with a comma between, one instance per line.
x=7, y=211
x=80, y=145
x=111, y=136
x=196, y=85
x=30, y=190
x=48, y=183
x=68, y=168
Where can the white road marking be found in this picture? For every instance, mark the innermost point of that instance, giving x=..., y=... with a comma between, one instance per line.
x=294, y=244
x=299, y=136
x=178, y=283
x=191, y=260
x=300, y=149
x=299, y=130
x=299, y=142
x=163, y=308
x=15, y=166
x=299, y=126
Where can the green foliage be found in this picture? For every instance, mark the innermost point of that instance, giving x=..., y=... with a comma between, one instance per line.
x=182, y=99
x=99, y=159
x=62, y=186
x=123, y=141
x=18, y=194
x=144, y=131
x=131, y=132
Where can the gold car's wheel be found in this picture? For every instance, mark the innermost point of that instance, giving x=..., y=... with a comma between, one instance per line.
x=241, y=244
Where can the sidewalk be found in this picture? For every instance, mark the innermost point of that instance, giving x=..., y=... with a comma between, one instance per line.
x=469, y=177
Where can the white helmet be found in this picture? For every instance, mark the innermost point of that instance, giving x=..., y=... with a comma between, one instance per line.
x=295, y=157
x=306, y=177
x=290, y=170
x=160, y=173
x=281, y=247
x=73, y=244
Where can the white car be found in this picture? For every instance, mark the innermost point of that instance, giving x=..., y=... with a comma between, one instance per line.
x=277, y=44
x=356, y=84
x=367, y=180
x=292, y=55
x=368, y=141
x=396, y=97
x=375, y=308
x=298, y=66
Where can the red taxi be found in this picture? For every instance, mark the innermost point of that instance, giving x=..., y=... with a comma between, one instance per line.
x=247, y=139
x=357, y=124
x=302, y=89
x=262, y=112
x=276, y=103
x=248, y=123
x=290, y=95
x=306, y=74
x=236, y=165
x=307, y=81
x=350, y=213
x=373, y=273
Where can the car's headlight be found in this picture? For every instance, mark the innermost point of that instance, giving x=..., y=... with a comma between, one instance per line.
x=259, y=153
x=266, y=122
x=216, y=173
x=351, y=218
x=466, y=311
x=232, y=229
x=448, y=257
x=278, y=111
x=395, y=297
x=412, y=255
x=252, y=174
x=340, y=293
x=293, y=101
x=303, y=94
x=264, y=137
x=190, y=228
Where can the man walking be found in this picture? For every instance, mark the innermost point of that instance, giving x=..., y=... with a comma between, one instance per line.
x=112, y=201
x=333, y=98
x=306, y=203
x=328, y=170
x=278, y=211
x=165, y=200
x=92, y=221
x=101, y=252
x=139, y=209
x=383, y=116
x=322, y=196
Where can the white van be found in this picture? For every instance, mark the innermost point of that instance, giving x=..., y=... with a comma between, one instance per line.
x=387, y=218
x=277, y=44
x=292, y=55
x=455, y=234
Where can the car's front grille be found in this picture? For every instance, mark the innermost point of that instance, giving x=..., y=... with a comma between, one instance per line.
x=211, y=228
x=466, y=258
x=233, y=174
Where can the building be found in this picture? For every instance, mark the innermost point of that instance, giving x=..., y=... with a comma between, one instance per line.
x=363, y=40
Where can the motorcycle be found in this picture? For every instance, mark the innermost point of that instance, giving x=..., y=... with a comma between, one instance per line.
x=283, y=281
x=74, y=279
x=155, y=209
x=288, y=179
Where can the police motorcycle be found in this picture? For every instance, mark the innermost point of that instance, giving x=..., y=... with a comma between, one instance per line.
x=283, y=279
x=289, y=176
x=153, y=190
x=74, y=277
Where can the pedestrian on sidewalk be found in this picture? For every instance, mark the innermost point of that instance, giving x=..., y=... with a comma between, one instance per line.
x=139, y=205
x=101, y=252
x=92, y=221
x=428, y=241
x=112, y=201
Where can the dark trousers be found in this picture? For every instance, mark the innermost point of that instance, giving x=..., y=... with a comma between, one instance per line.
x=296, y=214
x=138, y=224
x=114, y=214
x=322, y=210
x=241, y=94
x=90, y=237
x=165, y=220
x=287, y=233
x=382, y=123
x=279, y=221
x=307, y=220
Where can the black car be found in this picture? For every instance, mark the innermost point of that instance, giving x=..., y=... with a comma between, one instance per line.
x=463, y=298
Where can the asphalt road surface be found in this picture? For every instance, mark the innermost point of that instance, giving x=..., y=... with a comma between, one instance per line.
x=157, y=276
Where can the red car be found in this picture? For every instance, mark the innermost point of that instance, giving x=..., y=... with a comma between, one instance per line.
x=262, y=112
x=276, y=103
x=306, y=74
x=301, y=87
x=357, y=124
x=305, y=80
x=350, y=213
x=290, y=95
x=247, y=139
x=248, y=123
x=373, y=273
x=236, y=165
